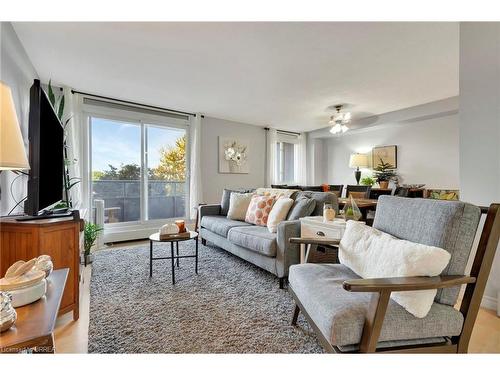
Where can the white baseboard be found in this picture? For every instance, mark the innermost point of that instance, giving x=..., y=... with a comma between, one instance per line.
x=490, y=303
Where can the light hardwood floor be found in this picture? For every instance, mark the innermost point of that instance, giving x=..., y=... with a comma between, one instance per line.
x=72, y=337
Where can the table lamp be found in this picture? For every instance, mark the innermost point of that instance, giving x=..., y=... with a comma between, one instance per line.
x=12, y=152
x=358, y=161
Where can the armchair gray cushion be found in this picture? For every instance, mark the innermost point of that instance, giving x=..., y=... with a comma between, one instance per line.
x=450, y=225
x=220, y=224
x=254, y=237
x=340, y=315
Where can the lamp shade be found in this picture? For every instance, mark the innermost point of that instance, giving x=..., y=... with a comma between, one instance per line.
x=358, y=161
x=12, y=152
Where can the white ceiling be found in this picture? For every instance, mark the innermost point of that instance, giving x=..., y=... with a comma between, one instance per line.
x=285, y=75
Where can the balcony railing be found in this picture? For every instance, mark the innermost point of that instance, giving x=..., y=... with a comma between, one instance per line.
x=122, y=200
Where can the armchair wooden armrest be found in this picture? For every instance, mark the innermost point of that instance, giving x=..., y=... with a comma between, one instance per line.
x=398, y=284
x=382, y=289
x=315, y=241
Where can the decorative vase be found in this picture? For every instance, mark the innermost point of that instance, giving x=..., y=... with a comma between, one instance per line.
x=328, y=212
x=86, y=259
x=383, y=184
x=234, y=168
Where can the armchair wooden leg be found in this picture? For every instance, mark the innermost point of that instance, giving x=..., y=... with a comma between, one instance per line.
x=373, y=322
x=295, y=315
x=204, y=242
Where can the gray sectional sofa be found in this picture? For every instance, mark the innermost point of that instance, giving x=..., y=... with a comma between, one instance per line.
x=255, y=244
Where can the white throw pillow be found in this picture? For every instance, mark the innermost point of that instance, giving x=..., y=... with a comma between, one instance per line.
x=278, y=213
x=373, y=254
x=238, y=205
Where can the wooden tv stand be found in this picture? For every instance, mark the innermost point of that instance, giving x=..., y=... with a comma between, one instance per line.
x=58, y=237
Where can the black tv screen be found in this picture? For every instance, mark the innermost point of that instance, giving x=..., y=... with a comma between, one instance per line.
x=46, y=153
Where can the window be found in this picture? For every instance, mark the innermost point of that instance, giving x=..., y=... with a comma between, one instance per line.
x=286, y=158
x=138, y=167
x=285, y=162
x=138, y=170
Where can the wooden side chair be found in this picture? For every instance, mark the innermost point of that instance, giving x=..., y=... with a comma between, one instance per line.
x=350, y=314
x=402, y=191
x=336, y=189
x=358, y=191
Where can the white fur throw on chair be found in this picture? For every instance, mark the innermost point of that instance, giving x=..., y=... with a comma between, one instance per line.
x=372, y=253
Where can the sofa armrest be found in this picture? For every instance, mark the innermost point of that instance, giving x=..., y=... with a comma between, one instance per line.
x=287, y=253
x=208, y=210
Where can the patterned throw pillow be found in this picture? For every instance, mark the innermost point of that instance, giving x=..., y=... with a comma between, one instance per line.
x=259, y=209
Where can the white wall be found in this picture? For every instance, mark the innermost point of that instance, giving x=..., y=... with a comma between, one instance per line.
x=214, y=182
x=479, y=125
x=427, y=142
x=17, y=71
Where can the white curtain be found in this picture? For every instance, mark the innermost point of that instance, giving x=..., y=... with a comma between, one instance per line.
x=195, y=188
x=301, y=160
x=73, y=133
x=271, y=139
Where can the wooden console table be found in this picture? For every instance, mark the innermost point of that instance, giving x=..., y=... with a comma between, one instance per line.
x=34, y=327
x=58, y=237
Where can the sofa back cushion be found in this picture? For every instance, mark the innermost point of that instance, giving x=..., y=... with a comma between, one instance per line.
x=288, y=193
x=371, y=253
x=259, y=209
x=279, y=213
x=226, y=195
x=450, y=225
x=302, y=207
x=238, y=205
x=321, y=198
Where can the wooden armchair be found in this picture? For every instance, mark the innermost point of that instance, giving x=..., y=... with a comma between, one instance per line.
x=363, y=317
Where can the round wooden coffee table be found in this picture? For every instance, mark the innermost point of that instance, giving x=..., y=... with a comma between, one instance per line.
x=155, y=237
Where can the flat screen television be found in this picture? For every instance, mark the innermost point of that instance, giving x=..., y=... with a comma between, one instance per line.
x=46, y=153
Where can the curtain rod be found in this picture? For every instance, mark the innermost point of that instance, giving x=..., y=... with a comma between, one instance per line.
x=135, y=103
x=284, y=131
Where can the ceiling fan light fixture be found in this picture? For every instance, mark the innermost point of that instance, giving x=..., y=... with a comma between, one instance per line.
x=339, y=121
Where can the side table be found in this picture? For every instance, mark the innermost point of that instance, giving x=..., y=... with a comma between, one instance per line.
x=155, y=237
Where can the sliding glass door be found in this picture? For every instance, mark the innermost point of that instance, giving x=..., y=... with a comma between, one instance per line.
x=138, y=169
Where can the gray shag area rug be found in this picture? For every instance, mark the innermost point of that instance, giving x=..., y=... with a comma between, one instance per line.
x=231, y=306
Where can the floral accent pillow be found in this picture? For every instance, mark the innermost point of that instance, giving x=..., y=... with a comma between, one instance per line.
x=259, y=209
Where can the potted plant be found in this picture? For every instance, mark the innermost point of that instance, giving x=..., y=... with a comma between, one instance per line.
x=368, y=181
x=384, y=172
x=90, y=233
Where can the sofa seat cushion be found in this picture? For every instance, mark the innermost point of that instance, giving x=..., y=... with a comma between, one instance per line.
x=255, y=238
x=340, y=314
x=220, y=224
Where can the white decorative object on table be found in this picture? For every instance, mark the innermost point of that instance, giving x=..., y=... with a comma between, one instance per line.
x=169, y=228
x=8, y=314
x=233, y=155
x=24, y=282
x=44, y=263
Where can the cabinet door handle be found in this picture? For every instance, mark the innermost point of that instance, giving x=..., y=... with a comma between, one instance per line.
x=320, y=233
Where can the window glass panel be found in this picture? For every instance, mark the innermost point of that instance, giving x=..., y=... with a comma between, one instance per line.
x=116, y=168
x=285, y=162
x=166, y=161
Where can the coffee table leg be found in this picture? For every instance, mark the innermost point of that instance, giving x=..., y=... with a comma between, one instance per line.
x=196, y=258
x=150, y=258
x=177, y=249
x=173, y=262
